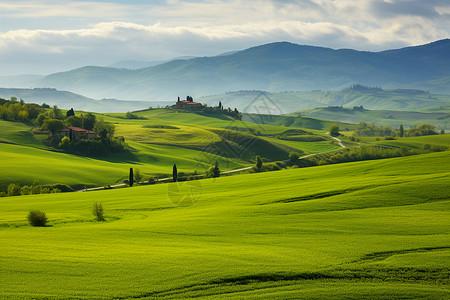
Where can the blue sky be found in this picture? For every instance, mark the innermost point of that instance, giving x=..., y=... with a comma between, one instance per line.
x=46, y=36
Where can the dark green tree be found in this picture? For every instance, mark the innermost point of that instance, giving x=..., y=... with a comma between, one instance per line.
x=70, y=113
x=334, y=130
x=401, y=131
x=174, y=173
x=131, y=177
x=216, y=171
x=294, y=157
x=88, y=121
x=258, y=162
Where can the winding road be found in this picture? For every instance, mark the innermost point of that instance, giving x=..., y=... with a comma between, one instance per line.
x=223, y=173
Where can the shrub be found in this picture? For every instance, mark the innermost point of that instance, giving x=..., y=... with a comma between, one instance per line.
x=65, y=143
x=3, y=194
x=37, y=218
x=137, y=176
x=97, y=211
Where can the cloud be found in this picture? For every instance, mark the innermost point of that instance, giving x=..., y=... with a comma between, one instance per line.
x=54, y=35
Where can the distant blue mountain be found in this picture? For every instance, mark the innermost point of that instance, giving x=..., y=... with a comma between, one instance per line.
x=274, y=67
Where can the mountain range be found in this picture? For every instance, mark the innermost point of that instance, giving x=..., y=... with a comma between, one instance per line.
x=274, y=67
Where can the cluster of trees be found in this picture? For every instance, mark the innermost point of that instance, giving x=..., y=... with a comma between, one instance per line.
x=423, y=129
x=130, y=115
x=226, y=111
x=14, y=110
x=14, y=189
x=105, y=142
x=51, y=120
x=370, y=129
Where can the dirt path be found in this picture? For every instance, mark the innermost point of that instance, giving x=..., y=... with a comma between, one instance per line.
x=168, y=179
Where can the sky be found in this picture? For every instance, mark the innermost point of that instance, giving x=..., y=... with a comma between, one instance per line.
x=47, y=36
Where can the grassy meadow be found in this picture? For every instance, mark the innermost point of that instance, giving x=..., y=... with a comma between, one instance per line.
x=375, y=229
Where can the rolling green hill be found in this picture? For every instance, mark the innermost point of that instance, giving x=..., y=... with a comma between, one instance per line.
x=157, y=141
x=376, y=229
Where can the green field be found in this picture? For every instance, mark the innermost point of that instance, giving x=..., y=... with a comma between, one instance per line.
x=375, y=229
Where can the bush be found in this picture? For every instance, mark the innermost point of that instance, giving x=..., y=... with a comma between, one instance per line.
x=65, y=143
x=97, y=211
x=37, y=218
x=3, y=194
x=13, y=189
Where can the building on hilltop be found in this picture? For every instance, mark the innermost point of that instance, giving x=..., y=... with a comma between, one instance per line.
x=187, y=104
x=76, y=133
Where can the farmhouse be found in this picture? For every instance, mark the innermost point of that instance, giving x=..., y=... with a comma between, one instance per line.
x=76, y=133
x=188, y=104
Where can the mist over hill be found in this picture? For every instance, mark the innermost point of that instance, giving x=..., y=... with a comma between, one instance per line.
x=275, y=67
x=67, y=100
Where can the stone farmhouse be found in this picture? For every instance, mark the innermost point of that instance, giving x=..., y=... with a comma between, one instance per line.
x=76, y=133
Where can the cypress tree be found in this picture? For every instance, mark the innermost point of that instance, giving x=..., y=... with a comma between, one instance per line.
x=258, y=162
x=131, y=177
x=175, y=173
x=216, y=171
x=402, y=131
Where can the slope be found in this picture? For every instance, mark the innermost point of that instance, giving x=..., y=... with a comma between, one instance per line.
x=373, y=229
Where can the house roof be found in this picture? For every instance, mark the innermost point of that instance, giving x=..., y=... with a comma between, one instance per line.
x=77, y=129
x=189, y=102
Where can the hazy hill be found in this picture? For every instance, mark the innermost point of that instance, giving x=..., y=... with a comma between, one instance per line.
x=69, y=100
x=274, y=67
x=381, y=117
x=369, y=98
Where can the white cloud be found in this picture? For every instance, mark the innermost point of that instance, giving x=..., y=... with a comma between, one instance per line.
x=58, y=34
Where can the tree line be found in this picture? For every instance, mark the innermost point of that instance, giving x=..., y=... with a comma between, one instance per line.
x=370, y=129
x=14, y=189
